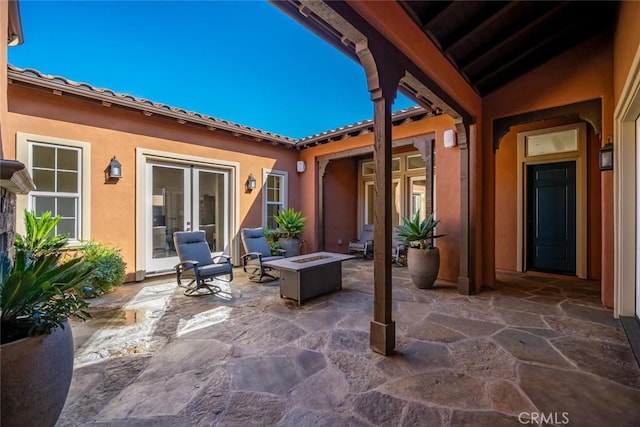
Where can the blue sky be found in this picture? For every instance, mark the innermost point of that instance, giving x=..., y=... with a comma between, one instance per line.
x=244, y=61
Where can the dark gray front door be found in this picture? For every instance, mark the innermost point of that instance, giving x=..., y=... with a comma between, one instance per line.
x=551, y=217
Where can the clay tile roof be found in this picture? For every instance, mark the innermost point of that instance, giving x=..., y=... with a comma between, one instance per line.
x=33, y=77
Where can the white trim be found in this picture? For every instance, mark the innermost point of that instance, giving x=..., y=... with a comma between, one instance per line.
x=23, y=155
x=624, y=192
x=143, y=155
x=285, y=190
x=580, y=157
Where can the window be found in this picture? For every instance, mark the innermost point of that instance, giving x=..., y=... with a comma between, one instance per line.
x=415, y=162
x=552, y=143
x=408, y=188
x=61, y=171
x=368, y=168
x=275, y=196
x=56, y=172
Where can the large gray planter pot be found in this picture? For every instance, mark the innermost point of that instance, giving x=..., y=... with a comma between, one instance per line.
x=423, y=267
x=36, y=375
x=292, y=246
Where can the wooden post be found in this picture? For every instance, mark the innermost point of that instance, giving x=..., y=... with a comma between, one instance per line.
x=383, y=78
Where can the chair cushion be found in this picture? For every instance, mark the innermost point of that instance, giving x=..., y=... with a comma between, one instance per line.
x=356, y=246
x=192, y=246
x=214, y=269
x=255, y=241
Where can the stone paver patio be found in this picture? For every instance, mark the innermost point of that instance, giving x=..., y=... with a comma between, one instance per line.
x=533, y=350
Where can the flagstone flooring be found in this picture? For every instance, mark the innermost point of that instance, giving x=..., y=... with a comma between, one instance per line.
x=532, y=351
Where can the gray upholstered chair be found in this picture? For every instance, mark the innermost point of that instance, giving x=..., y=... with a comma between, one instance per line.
x=197, y=265
x=256, y=253
x=398, y=249
x=364, y=245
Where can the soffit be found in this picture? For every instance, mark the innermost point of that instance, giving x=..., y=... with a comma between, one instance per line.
x=491, y=43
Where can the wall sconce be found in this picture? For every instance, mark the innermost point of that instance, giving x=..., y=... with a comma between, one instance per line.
x=606, y=156
x=301, y=166
x=115, y=169
x=251, y=183
x=449, y=137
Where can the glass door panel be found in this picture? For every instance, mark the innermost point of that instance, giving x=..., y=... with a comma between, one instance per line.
x=211, y=213
x=185, y=198
x=418, y=197
x=368, y=202
x=169, y=199
x=396, y=202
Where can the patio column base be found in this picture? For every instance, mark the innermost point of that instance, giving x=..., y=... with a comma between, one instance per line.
x=383, y=337
x=464, y=286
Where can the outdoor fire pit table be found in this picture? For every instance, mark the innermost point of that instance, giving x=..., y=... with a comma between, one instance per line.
x=306, y=276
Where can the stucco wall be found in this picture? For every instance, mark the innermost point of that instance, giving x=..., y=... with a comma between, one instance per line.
x=626, y=43
x=341, y=184
x=447, y=190
x=114, y=131
x=583, y=73
x=506, y=198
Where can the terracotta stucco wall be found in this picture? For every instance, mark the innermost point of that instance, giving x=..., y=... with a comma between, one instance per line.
x=447, y=190
x=341, y=183
x=583, y=73
x=626, y=42
x=506, y=198
x=113, y=131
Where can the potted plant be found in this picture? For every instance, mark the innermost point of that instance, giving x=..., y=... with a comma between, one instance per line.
x=37, y=297
x=290, y=226
x=423, y=259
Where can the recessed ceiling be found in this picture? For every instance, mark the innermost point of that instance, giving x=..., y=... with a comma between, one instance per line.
x=492, y=43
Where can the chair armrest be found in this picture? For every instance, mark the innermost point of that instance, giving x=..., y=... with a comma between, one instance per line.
x=224, y=258
x=185, y=263
x=282, y=251
x=251, y=255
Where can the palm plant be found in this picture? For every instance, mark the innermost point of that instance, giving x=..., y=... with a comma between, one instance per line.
x=36, y=295
x=40, y=238
x=38, y=291
x=417, y=233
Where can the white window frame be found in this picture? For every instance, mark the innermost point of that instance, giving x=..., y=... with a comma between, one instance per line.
x=284, y=202
x=24, y=142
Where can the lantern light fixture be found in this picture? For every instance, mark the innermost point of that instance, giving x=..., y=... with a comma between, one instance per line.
x=115, y=169
x=606, y=156
x=250, y=185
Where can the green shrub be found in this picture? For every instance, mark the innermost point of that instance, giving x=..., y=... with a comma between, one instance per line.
x=108, y=265
x=272, y=235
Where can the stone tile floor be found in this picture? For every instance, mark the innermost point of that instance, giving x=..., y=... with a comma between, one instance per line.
x=531, y=351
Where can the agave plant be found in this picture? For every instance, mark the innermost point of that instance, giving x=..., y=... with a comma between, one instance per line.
x=417, y=233
x=290, y=223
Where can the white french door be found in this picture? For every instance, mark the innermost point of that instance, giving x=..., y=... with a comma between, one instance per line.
x=396, y=202
x=183, y=198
